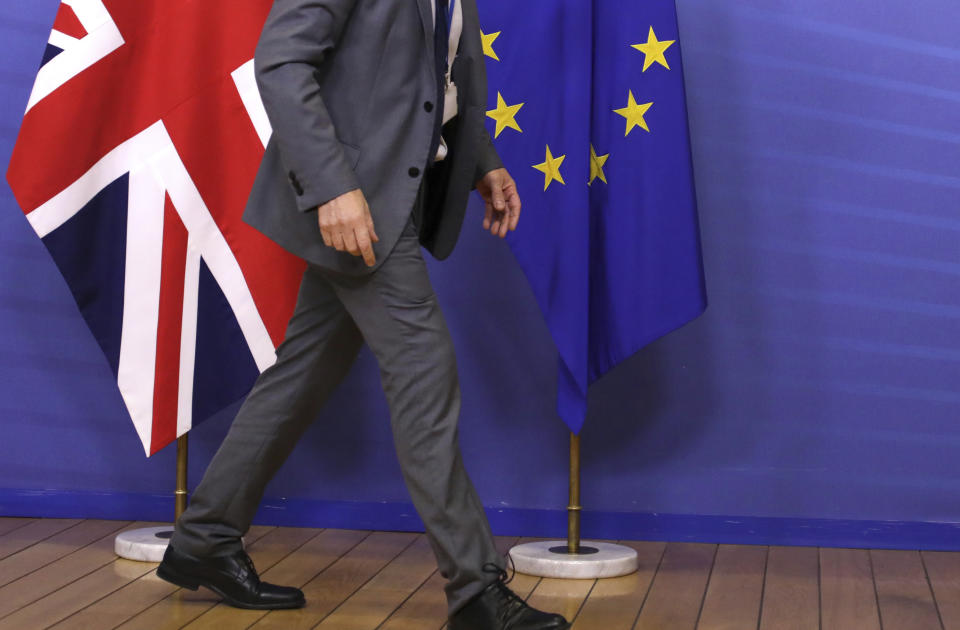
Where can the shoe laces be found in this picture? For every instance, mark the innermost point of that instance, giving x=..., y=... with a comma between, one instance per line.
x=247, y=565
x=501, y=573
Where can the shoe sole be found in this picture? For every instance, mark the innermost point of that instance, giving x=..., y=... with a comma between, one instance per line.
x=183, y=581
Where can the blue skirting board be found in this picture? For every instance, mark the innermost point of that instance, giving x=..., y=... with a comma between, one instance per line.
x=752, y=530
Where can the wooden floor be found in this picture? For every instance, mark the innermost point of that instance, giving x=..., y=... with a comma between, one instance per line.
x=57, y=573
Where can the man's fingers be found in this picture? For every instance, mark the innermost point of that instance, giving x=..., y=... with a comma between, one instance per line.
x=337, y=237
x=327, y=239
x=350, y=242
x=370, y=228
x=366, y=247
x=514, y=205
x=324, y=226
x=497, y=197
x=487, y=216
x=504, y=225
x=497, y=222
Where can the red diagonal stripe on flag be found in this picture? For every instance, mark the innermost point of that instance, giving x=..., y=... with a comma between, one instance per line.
x=169, y=329
x=67, y=23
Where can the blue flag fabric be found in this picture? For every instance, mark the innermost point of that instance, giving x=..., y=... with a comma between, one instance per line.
x=588, y=111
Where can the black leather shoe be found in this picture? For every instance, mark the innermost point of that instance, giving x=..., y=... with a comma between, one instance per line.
x=231, y=577
x=499, y=608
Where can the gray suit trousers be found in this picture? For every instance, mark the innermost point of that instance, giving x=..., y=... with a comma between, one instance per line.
x=396, y=312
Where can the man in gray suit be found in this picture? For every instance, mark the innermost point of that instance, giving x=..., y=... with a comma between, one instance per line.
x=377, y=108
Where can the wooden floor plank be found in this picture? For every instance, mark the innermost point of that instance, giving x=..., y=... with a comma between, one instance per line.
x=120, y=605
x=678, y=588
x=334, y=585
x=377, y=599
x=10, y=523
x=616, y=602
x=426, y=609
x=733, y=595
x=179, y=607
x=53, y=548
x=848, y=600
x=563, y=596
x=30, y=534
x=903, y=591
x=791, y=594
x=943, y=569
x=317, y=554
x=76, y=595
x=59, y=573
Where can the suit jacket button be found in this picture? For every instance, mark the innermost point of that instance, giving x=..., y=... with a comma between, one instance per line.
x=414, y=171
x=428, y=106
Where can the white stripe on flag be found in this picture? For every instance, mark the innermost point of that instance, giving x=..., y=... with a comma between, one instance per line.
x=188, y=338
x=246, y=82
x=141, y=300
x=62, y=40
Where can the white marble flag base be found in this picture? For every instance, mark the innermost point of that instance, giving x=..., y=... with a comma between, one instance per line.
x=550, y=559
x=146, y=545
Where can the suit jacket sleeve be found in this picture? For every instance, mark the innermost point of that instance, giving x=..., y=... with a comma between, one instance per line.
x=297, y=37
x=488, y=158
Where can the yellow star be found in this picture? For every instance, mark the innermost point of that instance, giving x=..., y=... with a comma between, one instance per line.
x=596, y=166
x=634, y=114
x=654, y=50
x=505, y=115
x=488, y=44
x=551, y=169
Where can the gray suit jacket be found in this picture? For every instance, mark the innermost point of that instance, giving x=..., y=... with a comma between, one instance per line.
x=350, y=90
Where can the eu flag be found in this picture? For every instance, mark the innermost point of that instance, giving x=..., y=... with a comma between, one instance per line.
x=588, y=111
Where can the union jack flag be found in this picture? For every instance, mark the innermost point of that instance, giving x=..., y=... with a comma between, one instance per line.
x=140, y=143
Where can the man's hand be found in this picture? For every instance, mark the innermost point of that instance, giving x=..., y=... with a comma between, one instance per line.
x=499, y=191
x=346, y=225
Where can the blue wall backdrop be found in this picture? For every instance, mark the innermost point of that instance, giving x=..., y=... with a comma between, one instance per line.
x=816, y=399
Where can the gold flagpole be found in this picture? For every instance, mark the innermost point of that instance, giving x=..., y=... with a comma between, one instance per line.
x=181, y=492
x=574, y=509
